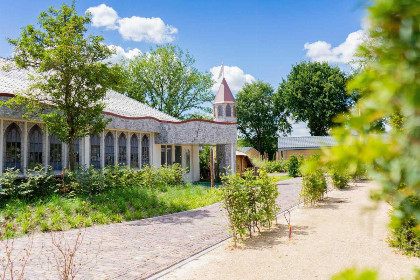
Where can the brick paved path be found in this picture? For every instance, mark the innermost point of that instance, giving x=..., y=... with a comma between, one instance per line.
x=138, y=249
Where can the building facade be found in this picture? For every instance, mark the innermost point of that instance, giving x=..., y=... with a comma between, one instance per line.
x=302, y=146
x=136, y=135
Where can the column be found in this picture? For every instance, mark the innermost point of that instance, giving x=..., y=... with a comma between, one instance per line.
x=226, y=158
x=116, y=148
x=139, y=137
x=128, y=149
x=1, y=146
x=86, y=151
x=46, y=148
x=25, y=147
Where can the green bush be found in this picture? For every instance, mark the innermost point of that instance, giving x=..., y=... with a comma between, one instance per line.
x=39, y=182
x=339, y=176
x=273, y=166
x=292, y=166
x=404, y=233
x=249, y=201
x=9, y=182
x=314, y=184
x=354, y=274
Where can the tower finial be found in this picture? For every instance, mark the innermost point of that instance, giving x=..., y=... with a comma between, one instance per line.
x=222, y=71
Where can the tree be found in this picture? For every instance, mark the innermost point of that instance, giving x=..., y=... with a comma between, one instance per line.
x=258, y=119
x=166, y=79
x=71, y=78
x=315, y=93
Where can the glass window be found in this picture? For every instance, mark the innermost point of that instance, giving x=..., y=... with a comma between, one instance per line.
x=13, y=147
x=134, y=156
x=35, y=147
x=228, y=111
x=187, y=160
x=220, y=111
x=122, y=149
x=95, y=151
x=169, y=155
x=163, y=154
x=55, y=153
x=178, y=155
x=145, y=156
x=109, y=149
x=77, y=150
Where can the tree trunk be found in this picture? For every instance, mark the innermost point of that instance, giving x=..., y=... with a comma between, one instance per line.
x=72, y=160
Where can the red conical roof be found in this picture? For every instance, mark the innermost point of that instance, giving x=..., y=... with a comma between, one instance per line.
x=224, y=95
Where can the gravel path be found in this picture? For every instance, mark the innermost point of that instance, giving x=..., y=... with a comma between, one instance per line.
x=340, y=233
x=139, y=249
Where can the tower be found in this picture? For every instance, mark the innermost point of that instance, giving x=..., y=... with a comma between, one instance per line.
x=224, y=105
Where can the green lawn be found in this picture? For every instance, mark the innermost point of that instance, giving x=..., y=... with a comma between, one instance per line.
x=125, y=204
x=277, y=178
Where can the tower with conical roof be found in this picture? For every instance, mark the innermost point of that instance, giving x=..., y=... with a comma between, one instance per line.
x=224, y=105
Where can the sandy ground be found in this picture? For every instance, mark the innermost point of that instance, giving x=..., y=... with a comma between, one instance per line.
x=337, y=234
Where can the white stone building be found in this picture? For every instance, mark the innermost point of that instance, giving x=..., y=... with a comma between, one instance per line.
x=136, y=135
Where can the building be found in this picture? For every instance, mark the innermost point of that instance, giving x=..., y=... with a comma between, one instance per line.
x=250, y=151
x=136, y=135
x=305, y=146
x=243, y=162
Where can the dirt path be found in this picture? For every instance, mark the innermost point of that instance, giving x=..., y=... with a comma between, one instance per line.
x=327, y=239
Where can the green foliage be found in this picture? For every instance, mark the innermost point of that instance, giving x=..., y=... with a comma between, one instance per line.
x=249, y=201
x=274, y=166
x=315, y=93
x=205, y=163
x=391, y=90
x=339, y=176
x=57, y=212
x=354, y=274
x=314, y=184
x=258, y=118
x=70, y=73
x=404, y=234
x=166, y=79
x=292, y=166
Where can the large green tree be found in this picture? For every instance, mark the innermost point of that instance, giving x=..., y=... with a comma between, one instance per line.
x=258, y=119
x=71, y=80
x=167, y=80
x=315, y=93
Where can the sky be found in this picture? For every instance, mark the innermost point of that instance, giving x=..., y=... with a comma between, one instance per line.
x=254, y=39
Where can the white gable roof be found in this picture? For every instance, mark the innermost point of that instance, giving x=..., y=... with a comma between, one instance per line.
x=14, y=80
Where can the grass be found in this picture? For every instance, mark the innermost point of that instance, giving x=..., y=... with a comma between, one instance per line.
x=56, y=212
x=277, y=178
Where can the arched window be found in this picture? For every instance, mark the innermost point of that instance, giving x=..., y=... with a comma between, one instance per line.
x=145, y=158
x=220, y=111
x=134, y=155
x=109, y=149
x=234, y=111
x=228, y=111
x=13, y=147
x=55, y=153
x=35, y=147
x=122, y=149
x=95, y=151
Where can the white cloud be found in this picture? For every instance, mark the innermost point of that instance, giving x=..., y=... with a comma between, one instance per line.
x=121, y=54
x=103, y=16
x=344, y=53
x=234, y=76
x=134, y=28
x=152, y=30
x=299, y=129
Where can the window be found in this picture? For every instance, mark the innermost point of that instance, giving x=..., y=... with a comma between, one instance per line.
x=178, y=155
x=234, y=111
x=95, y=151
x=13, y=147
x=228, y=111
x=220, y=111
x=35, y=147
x=187, y=160
x=109, y=149
x=169, y=155
x=145, y=158
x=55, y=153
x=134, y=155
x=122, y=149
x=163, y=154
x=77, y=151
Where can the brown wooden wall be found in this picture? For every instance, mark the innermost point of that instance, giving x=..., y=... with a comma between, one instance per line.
x=305, y=153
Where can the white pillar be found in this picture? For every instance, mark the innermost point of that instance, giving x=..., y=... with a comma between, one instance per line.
x=128, y=149
x=195, y=162
x=139, y=138
x=86, y=151
x=116, y=148
x=1, y=146
x=46, y=148
x=64, y=155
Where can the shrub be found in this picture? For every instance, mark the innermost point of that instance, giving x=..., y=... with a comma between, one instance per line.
x=314, y=184
x=339, y=176
x=404, y=235
x=249, y=201
x=273, y=166
x=39, y=182
x=9, y=183
x=293, y=166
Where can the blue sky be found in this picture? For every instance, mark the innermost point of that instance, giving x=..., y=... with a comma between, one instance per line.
x=261, y=39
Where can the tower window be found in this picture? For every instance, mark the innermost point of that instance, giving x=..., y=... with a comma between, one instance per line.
x=220, y=111
x=228, y=111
